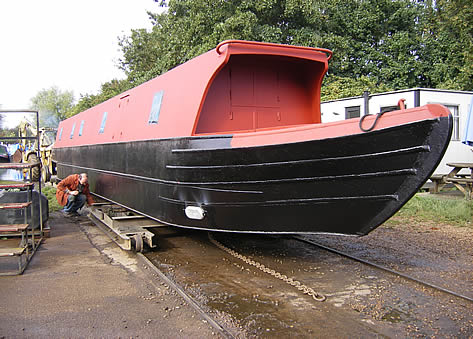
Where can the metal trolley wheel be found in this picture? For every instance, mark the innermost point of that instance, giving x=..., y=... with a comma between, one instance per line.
x=137, y=242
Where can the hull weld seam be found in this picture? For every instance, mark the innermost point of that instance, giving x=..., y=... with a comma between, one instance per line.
x=406, y=171
x=394, y=197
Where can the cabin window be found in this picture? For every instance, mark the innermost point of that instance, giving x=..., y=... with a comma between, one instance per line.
x=352, y=112
x=104, y=120
x=72, y=131
x=456, y=121
x=60, y=134
x=81, y=127
x=156, y=108
x=390, y=108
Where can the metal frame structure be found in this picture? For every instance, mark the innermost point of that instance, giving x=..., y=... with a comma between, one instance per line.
x=123, y=226
x=29, y=241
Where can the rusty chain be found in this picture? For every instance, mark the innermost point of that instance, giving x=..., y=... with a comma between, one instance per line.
x=297, y=284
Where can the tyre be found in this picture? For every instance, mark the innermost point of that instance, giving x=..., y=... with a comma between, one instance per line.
x=35, y=170
x=45, y=174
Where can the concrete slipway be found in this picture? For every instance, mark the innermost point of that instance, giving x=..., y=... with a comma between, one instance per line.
x=80, y=284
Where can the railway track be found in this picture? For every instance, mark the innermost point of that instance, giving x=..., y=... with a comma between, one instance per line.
x=384, y=268
x=187, y=297
x=271, y=285
x=182, y=271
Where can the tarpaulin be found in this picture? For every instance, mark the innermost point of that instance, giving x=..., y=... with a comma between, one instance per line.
x=468, y=135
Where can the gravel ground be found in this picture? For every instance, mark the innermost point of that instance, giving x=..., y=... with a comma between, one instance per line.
x=440, y=254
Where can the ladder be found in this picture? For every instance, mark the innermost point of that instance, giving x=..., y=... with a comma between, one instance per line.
x=24, y=249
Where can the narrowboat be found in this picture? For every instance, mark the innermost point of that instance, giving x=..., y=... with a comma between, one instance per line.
x=232, y=141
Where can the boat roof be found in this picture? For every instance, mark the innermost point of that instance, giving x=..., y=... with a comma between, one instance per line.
x=169, y=105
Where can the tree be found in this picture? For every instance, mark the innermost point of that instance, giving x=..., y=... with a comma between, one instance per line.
x=375, y=38
x=52, y=105
x=377, y=44
x=140, y=53
x=336, y=87
x=5, y=130
x=448, y=37
x=107, y=91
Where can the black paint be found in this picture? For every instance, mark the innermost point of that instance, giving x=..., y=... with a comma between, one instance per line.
x=348, y=185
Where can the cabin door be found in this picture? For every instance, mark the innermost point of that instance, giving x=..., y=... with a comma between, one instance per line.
x=254, y=95
x=123, y=112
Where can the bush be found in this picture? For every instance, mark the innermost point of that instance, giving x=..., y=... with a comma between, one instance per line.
x=50, y=193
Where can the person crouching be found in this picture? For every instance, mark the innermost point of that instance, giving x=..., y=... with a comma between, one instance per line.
x=73, y=192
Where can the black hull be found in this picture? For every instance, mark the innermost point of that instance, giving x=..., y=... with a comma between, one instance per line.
x=348, y=184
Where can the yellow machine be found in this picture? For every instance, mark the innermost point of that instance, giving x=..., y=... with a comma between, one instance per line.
x=28, y=149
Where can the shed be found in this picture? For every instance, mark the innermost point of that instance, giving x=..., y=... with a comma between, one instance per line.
x=458, y=102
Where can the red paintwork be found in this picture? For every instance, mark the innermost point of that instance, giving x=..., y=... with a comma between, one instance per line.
x=13, y=227
x=254, y=92
x=263, y=86
x=271, y=86
x=338, y=128
x=261, y=93
x=128, y=113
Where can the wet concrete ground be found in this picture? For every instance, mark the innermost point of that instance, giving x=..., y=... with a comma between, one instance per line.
x=361, y=301
x=81, y=285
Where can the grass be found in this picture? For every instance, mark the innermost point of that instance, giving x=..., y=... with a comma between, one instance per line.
x=436, y=208
x=50, y=193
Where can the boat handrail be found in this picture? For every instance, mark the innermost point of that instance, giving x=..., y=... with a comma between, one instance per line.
x=269, y=44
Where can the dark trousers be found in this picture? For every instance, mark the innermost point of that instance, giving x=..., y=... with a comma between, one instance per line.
x=74, y=202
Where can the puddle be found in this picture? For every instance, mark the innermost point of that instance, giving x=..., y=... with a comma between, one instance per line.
x=263, y=305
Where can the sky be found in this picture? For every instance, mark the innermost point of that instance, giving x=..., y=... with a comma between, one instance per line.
x=72, y=45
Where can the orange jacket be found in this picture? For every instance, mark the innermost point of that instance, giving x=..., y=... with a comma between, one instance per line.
x=71, y=183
